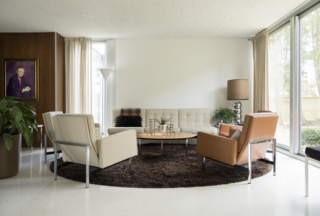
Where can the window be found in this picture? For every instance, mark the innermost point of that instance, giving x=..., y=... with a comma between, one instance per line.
x=279, y=81
x=294, y=62
x=310, y=79
x=98, y=61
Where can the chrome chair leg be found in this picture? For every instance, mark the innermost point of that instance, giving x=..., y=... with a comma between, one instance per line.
x=55, y=161
x=249, y=163
x=204, y=161
x=274, y=155
x=306, y=176
x=87, y=168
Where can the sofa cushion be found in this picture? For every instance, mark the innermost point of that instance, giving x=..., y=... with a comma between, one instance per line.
x=195, y=130
x=189, y=118
x=114, y=130
x=128, y=121
x=313, y=152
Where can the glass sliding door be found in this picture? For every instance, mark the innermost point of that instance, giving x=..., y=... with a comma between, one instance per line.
x=310, y=79
x=98, y=61
x=279, y=81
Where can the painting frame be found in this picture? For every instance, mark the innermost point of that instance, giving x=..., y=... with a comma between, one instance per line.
x=30, y=69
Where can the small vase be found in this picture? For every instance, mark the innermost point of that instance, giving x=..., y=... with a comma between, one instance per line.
x=162, y=128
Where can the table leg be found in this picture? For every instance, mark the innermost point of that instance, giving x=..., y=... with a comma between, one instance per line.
x=45, y=148
x=186, y=146
x=161, y=148
x=32, y=140
x=41, y=137
x=139, y=146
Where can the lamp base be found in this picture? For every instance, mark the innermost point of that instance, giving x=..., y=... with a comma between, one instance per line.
x=237, y=106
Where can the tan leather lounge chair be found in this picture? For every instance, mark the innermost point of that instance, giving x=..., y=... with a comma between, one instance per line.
x=76, y=135
x=257, y=134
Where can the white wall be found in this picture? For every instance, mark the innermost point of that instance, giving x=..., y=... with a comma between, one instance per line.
x=180, y=73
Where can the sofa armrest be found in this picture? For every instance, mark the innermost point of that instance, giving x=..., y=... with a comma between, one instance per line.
x=116, y=148
x=217, y=148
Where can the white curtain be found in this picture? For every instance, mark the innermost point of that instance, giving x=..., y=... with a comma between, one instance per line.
x=78, y=64
x=261, y=80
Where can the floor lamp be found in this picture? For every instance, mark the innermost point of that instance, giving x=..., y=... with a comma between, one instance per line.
x=238, y=90
x=105, y=72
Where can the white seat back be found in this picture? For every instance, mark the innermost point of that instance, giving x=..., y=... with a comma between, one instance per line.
x=48, y=124
x=80, y=129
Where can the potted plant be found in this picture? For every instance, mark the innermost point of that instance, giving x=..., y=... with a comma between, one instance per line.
x=162, y=121
x=16, y=118
x=226, y=115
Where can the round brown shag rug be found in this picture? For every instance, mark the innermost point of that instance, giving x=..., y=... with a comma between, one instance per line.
x=174, y=170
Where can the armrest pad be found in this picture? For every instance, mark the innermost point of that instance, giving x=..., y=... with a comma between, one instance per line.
x=97, y=125
x=225, y=127
x=217, y=148
x=117, y=147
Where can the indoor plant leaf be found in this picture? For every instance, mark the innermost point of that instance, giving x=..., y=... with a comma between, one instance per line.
x=26, y=132
x=15, y=117
x=16, y=113
x=8, y=140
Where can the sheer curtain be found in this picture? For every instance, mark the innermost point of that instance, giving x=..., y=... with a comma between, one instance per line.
x=78, y=65
x=261, y=81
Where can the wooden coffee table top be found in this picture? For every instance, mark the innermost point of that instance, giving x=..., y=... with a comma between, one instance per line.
x=164, y=136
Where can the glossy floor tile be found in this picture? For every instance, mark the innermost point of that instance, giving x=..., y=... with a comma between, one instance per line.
x=33, y=192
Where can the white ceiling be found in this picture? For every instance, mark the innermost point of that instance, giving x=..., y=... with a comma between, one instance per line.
x=143, y=18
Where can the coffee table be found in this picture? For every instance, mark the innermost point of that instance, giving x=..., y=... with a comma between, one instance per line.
x=165, y=136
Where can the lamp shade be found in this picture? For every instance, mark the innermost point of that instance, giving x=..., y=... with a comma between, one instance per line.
x=238, y=89
x=105, y=72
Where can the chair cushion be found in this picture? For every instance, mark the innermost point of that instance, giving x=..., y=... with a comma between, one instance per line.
x=128, y=121
x=313, y=152
x=236, y=135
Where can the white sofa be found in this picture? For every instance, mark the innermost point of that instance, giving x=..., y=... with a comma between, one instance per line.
x=183, y=120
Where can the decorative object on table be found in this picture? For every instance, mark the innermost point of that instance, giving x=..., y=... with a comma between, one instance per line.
x=15, y=119
x=225, y=114
x=162, y=121
x=105, y=73
x=21, y=78
x=238, y=90
x=169, y=128
x=152, y=126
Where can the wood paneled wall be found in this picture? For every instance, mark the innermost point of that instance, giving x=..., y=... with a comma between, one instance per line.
x=49, y=48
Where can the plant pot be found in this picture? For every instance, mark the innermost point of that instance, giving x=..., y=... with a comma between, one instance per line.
x=162, y=128
x=10, y=160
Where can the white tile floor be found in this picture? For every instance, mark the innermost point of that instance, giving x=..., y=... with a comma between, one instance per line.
x=33, y=192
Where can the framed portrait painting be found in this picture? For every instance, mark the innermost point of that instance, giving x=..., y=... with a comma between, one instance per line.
x=21, y=78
